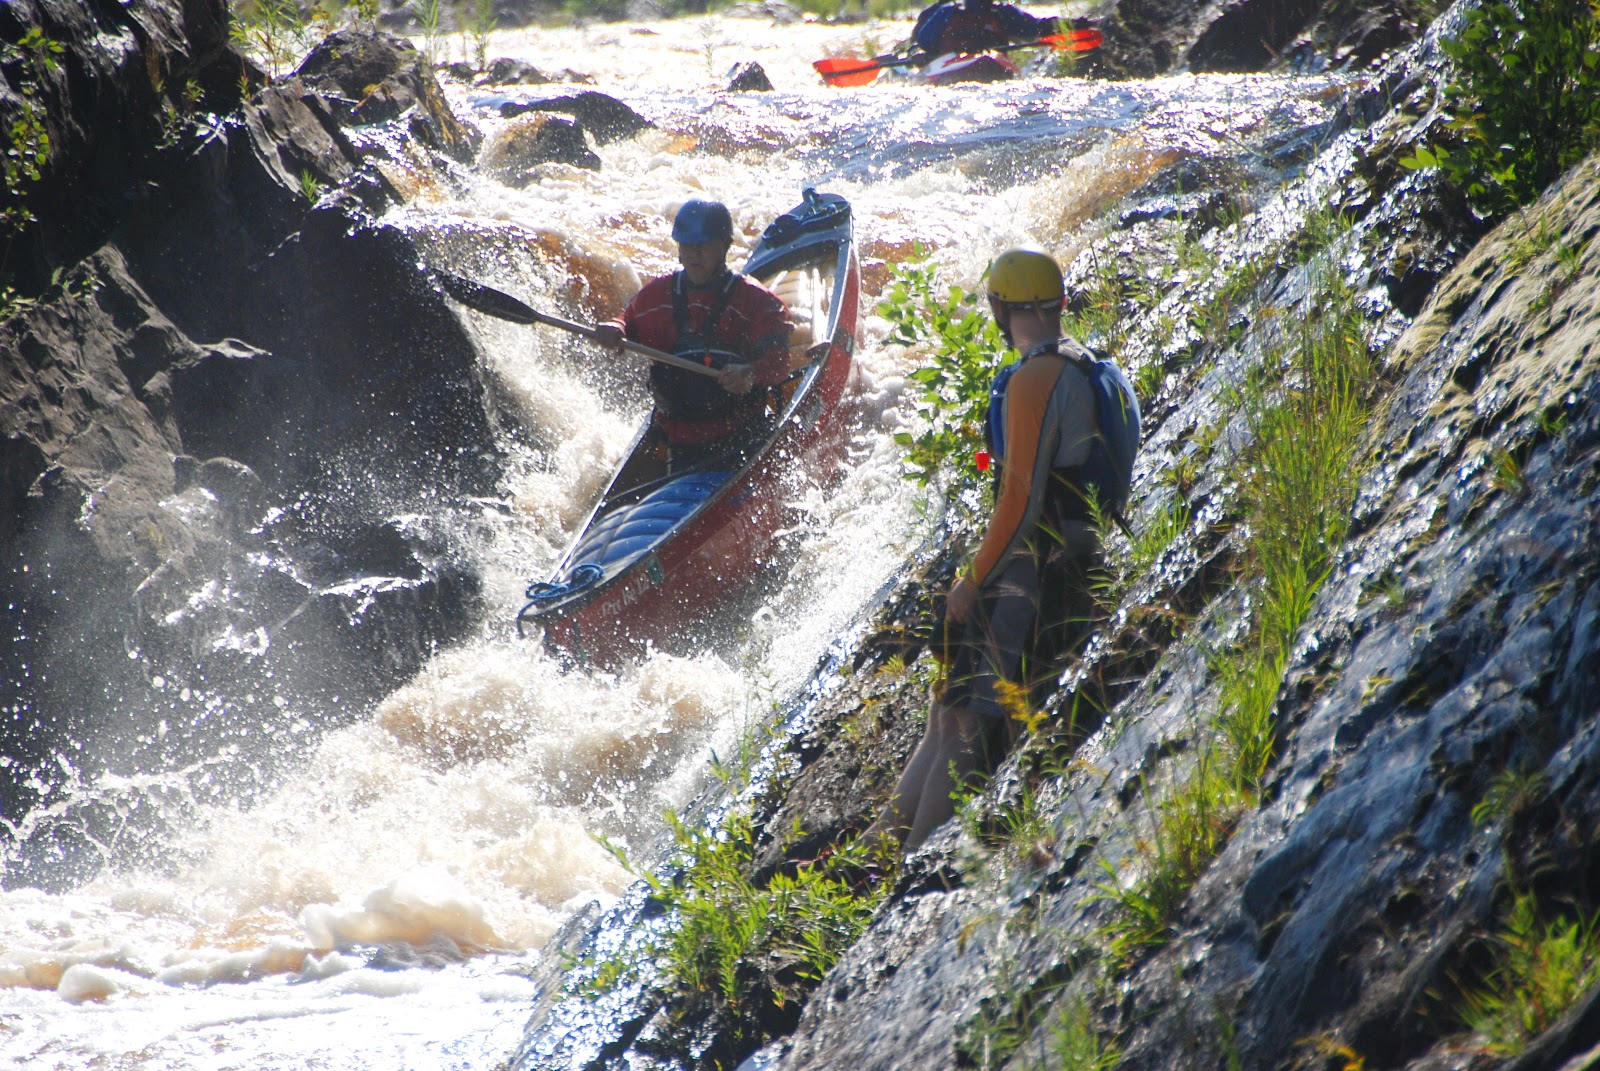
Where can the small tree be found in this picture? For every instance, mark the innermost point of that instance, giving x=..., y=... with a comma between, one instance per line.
x=1525, y=100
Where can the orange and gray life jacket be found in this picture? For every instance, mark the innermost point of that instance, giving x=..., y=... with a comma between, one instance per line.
x=1108, y=470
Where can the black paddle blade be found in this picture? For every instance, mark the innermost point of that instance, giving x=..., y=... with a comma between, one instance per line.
x=485, y=299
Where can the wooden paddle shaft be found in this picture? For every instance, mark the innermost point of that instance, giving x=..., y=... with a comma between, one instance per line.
x=487, y=299
x=628, y=344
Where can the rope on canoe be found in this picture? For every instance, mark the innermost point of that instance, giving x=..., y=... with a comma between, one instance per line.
x=550, y=590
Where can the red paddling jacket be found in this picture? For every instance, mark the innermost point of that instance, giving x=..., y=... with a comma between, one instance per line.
x=734, y=320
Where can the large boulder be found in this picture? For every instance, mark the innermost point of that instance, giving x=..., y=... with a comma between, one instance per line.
x=749, y=78
x=222, y=421
x=106, y=100
x=1145, y=38
x=605, y=117
x=377, y=78
x=514, y=155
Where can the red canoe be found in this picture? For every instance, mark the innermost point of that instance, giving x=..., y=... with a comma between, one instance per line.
x=660, y=553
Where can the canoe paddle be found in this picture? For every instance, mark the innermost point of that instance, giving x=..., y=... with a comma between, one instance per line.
x=486, y=299
x=850, y=71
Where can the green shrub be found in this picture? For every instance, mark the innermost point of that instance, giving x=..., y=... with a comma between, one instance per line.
x=26, y=148
x=1540, y=970
x=1189, y=825
x=953, y=399
x=1128, y=556
x=1303, y=472
x=1075, y=1043
x=737, y=943
x=1525, y=101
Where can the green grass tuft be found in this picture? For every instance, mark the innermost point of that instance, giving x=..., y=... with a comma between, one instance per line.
x=1541, y=969
x=742, y=945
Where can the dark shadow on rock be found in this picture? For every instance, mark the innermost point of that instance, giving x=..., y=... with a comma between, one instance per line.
x=104, y=111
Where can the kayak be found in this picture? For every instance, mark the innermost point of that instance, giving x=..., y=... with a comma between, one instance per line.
x=954, y=67
x=659, y=553
x=990, y=65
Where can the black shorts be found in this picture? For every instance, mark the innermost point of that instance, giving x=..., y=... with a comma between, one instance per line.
x=1009, y=640
x=995, y=640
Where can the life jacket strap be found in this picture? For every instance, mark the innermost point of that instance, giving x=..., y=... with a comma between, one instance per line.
x=697, y=344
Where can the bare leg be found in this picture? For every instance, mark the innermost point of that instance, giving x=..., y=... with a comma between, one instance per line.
x=958, y=759
x=921, y=800
x=894, y=821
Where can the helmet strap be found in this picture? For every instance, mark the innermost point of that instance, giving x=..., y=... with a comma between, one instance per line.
x=1002, y=318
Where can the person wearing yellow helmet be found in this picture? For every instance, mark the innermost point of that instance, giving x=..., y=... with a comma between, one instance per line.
x=1051, y=414
x=1029, y=279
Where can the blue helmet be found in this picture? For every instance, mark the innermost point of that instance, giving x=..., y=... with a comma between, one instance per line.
x=702, y=221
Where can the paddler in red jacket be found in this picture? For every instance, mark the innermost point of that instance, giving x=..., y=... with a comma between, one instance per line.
x=720, y=318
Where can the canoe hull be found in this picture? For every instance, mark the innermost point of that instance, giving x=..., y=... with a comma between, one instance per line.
x=954, y=68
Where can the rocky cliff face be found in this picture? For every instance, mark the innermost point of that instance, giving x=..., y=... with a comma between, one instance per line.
x=1454, y=642
x=213, y=418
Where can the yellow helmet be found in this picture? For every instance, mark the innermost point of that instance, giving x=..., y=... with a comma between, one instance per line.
x=1026, y=277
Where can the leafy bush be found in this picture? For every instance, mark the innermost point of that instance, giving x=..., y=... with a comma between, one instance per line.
x=26, y=148
x=966, y=351
x=746, y=947
x=1526, y=99
x=1541, y=970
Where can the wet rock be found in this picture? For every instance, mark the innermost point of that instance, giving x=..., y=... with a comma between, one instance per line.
x=606, y=118
x=374, y=77
x=103, y=112
x=374, y=74
x=1144, y=40
x=1261, y=35
x=1153, y=37
x=780, y=12
x=235, y=486
x=749, y=77
x=1249, y=36
x=211, y=414
x=505, y=71
x=516, y=152
x=295, y=137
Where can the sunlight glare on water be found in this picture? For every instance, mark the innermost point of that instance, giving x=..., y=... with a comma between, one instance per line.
x=382, y=906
